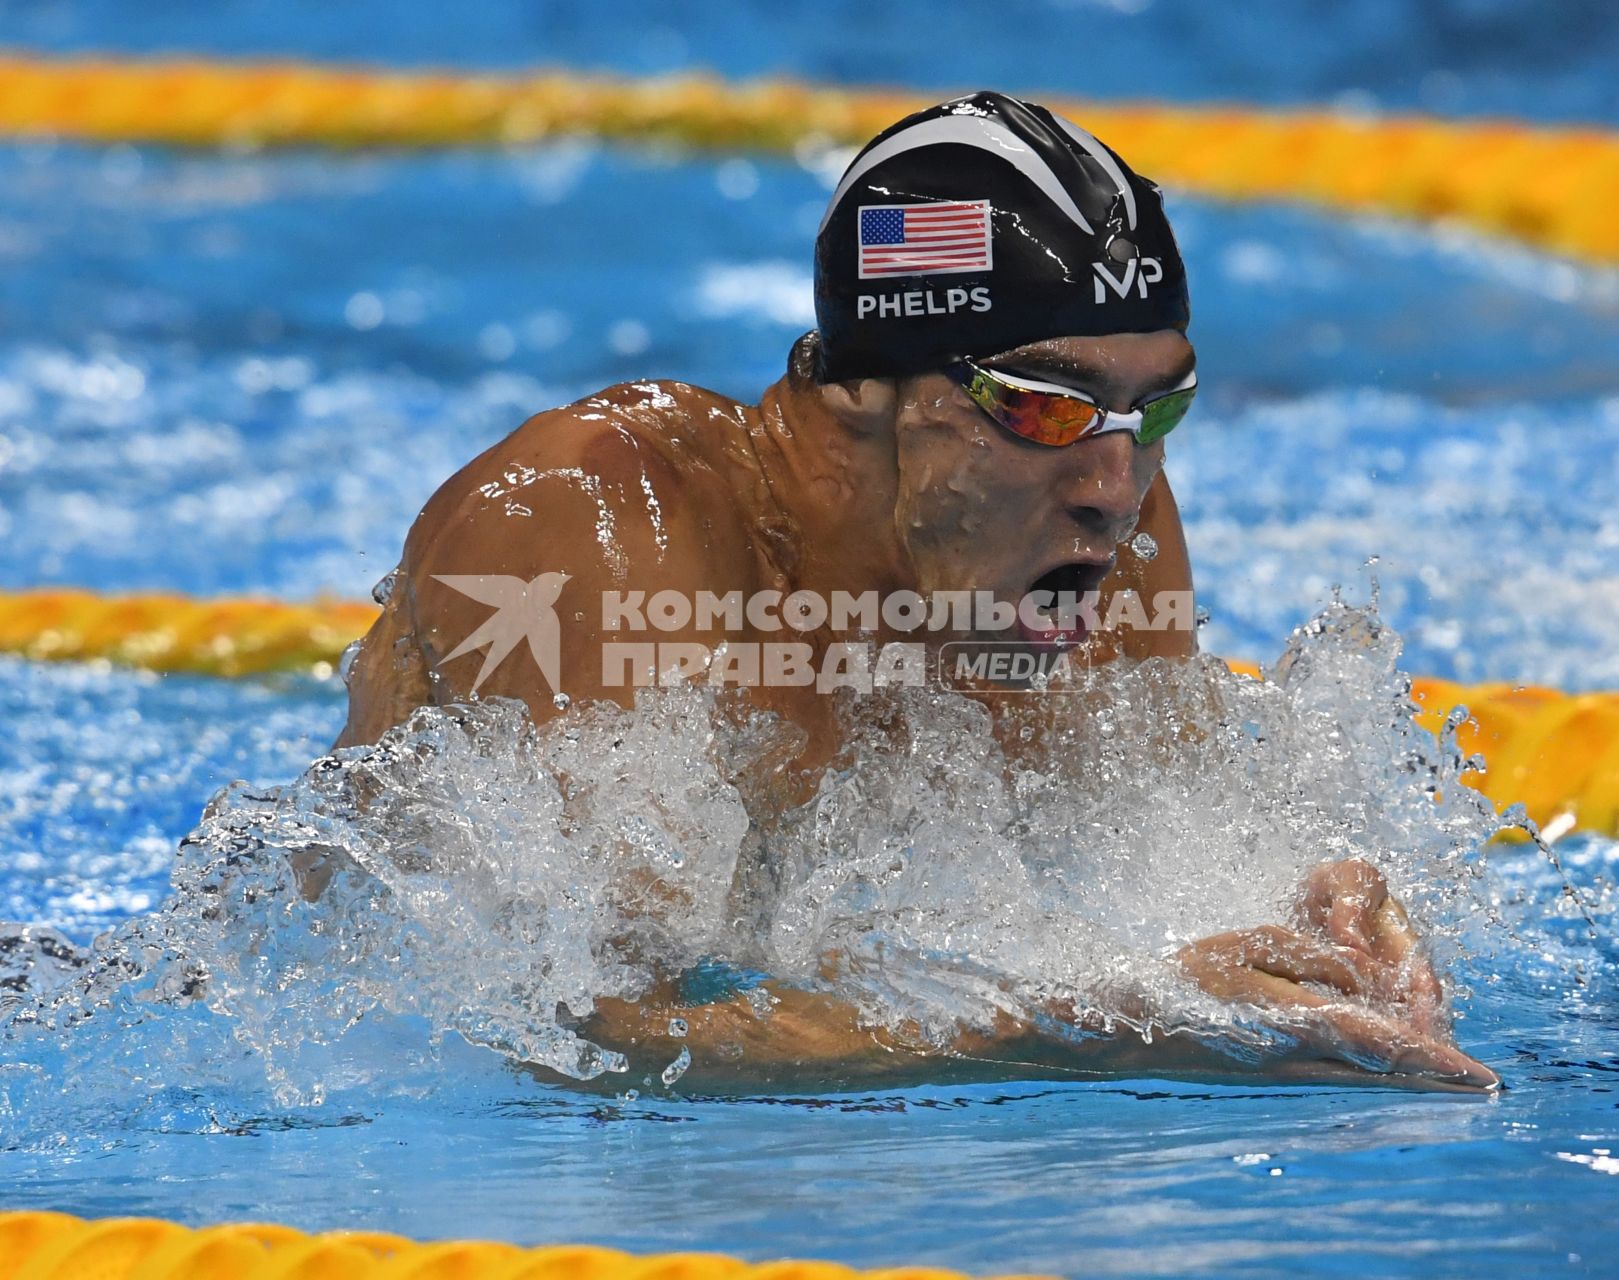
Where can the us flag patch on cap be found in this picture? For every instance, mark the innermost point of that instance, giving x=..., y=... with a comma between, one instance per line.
x=924, y=239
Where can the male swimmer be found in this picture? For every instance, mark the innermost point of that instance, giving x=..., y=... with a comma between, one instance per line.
x=1000, y=352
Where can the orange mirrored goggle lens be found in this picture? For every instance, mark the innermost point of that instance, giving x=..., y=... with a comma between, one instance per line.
x=1053, y=419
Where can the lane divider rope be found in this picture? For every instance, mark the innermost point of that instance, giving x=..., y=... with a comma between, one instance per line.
x=57, y=1246
x=1553, y=187
x=163, y=632
x=1556, y=753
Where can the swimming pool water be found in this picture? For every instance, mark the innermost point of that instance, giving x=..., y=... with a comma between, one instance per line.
x=245, y=373
x=1447, y=56
x=1114, y=1178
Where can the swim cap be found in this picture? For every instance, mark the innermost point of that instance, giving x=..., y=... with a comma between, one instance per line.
x=980, y=225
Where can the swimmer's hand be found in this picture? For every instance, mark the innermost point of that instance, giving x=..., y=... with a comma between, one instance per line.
x=1352, y=979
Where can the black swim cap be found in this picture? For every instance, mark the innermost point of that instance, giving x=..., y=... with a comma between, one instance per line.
x=980, y=225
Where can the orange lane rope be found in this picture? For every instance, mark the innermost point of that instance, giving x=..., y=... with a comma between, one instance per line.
x=56, y=1246
x=175, y=633
x=1554, y=187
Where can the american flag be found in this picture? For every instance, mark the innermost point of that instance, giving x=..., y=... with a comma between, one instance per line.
x=917, y=239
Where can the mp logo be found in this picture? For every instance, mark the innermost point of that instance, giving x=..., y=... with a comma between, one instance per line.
x=1138, y=274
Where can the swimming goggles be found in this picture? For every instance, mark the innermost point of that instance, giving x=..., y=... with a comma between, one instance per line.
x=1054, y=415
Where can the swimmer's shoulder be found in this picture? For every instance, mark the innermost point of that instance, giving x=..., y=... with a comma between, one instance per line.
x=646, y=464
x=628, y=490
x=690, y=427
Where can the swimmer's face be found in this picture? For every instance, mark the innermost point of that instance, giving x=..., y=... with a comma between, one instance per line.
x=979, y=508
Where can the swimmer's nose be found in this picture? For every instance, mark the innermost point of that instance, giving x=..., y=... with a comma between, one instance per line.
x=1100, y=482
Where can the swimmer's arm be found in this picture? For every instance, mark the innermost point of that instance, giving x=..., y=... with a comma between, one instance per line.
x=782, y=1036
x=810, y=1040
x=788, y=1037
x=1350, y=988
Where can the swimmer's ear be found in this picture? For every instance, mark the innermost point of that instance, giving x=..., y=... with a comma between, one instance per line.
x=864, y=405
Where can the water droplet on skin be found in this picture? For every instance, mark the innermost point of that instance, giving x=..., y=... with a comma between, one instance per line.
x=345, y=664
x=677, y=1027
x=1145, y=546
x=677, y=1068
x=561, y=702
x=383, y=591
x=762, y=1001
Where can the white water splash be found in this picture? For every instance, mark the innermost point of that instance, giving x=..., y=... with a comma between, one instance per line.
x=482, y=877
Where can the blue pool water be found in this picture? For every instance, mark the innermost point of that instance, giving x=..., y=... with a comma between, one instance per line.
x=232, y=373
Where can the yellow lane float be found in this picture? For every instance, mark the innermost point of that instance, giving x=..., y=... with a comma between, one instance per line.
x=1469, y=171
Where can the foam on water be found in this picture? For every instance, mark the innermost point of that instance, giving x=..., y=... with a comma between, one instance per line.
x=484, y=881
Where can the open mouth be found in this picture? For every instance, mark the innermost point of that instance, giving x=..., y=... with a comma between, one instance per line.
x=1064, y=620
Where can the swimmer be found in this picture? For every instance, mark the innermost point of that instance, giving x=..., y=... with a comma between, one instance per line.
x=1001, y=349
